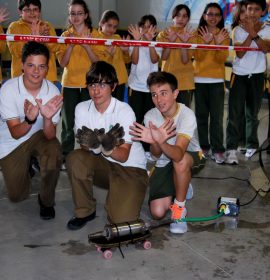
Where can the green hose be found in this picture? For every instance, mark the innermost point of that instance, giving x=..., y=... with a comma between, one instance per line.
x=203, y=219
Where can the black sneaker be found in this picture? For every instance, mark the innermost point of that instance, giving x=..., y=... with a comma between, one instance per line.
x=46, y=213
x=76, y=223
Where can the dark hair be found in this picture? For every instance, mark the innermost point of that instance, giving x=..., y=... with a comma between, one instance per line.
x=88, y=20
x=27, y=3
x=162, y=77
x=146, y=18
x=107, y=15
x=178, y=8
x=237, y=12
x=101, y=71
x=203, y=22
x=261, y=3
x=34, y=48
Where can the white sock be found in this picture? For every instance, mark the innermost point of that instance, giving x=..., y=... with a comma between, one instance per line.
x=180, y=203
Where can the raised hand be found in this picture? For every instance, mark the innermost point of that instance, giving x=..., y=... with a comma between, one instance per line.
x=44, y=29
x=3, y=14
x=170, y=35
x=35, y=26
x=88, y=138
x=221, y=36
x=186, y=35
x=161, y=134
x=205, y=34
x=113, y=138
x=151, y=33
x=134, y=30
x=49, y=109
x=141, y=133
x=31, y=111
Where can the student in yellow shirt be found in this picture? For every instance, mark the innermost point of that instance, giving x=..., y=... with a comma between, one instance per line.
x=117, y=56
x=3, y=17
x=76, y=61
x=30, y=23
x=178, y=61
x=209, y=82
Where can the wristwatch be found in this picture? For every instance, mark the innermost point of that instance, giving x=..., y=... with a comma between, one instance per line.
x=256, y=38
x=29, y=121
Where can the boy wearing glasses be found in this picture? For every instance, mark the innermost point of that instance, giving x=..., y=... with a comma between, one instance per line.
x=30, y=23
x=171, y=130
x=247, y=81
x=30, y=109
x=107, y=157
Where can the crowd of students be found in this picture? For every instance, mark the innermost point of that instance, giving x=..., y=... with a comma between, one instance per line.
x=93, y=85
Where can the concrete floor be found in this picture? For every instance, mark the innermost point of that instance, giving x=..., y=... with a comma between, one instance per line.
x=226, y=248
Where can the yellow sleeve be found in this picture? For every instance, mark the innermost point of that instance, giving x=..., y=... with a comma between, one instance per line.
x=2, y=43
x=221, y=56
x=15, y=48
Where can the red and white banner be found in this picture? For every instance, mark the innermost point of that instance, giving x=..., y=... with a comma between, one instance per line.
x=113, y=42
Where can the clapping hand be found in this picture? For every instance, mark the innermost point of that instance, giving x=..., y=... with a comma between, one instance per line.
x=49, y=109
x=31, y=111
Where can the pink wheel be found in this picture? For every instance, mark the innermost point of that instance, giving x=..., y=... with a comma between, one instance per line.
x=147, y=245
x=107, y=254
x=98, y=249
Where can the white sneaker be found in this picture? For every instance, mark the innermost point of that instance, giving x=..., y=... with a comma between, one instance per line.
x=218, y=158
x=250, y=153
x=189, y=194
x=178, y=226
x=231, y=157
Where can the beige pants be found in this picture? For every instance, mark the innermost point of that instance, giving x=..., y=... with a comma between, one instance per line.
x=126, y=186
x=15, y=168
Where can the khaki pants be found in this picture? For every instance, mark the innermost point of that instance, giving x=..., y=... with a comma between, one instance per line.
x=15, y=168
x=126, y=186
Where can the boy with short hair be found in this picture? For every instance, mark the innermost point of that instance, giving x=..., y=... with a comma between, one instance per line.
x=171, y=130
x=30, y=23
x=247, y=81
x=107, y=158
x=30, y=109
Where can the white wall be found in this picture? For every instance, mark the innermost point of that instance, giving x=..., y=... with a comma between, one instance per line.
x=55, y=11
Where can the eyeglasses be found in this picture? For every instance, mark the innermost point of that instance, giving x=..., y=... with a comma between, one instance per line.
x=28, y=10
x=213, y=15
x=79, y=14
x=100, y=85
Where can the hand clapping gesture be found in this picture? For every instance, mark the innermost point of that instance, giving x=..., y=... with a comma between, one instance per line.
x=134, y=30
x=170, y=35
x=151, y=33
x=205, y=34
x=31, y=111
x=49, y=109
x=153, y=134
x=186, y=35
x=221, y=36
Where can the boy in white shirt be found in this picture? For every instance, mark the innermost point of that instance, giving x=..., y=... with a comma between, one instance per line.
x=30, y=109
x=247, y=81
x=171, y=130
x=107, y=157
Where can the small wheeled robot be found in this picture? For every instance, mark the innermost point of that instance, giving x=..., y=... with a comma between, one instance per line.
x=115, y=235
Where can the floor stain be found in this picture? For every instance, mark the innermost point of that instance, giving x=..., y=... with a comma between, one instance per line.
x=76, y=248
x=34, y=246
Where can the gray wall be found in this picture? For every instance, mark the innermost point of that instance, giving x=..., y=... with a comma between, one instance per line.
x=129, y=10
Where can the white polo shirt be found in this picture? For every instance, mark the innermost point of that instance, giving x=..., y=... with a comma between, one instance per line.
x=253, y=62
x=87, y=115
x=186, y=125
x=12, y=96
x=139, y=72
